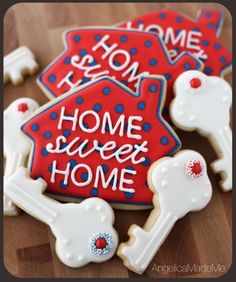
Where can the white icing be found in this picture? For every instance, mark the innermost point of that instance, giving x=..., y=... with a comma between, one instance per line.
x=207, y=109
x=72, y=224
x=15, y=145
x=81, y=121
x=89, y=172
x=124, y=64
x=73, y=118
x=67, y=80
x=178, y=194
x=18, y=63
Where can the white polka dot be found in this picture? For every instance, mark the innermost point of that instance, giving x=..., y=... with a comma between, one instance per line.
x=164, y=169
x=175, y=164
x=180, y=113
x=192, y=118
x=69, y=256
x=193, y=200
x=103, y=218
x=81, y=257
x=66, y=242
x=225, y=99
x=164, y=183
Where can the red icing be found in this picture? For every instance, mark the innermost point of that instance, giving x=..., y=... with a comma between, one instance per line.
x=146, y=49
x=104, y=95
x=22, y=107
x=195, y=82
x=204, y=30
x=194, y=168
x=101, y=243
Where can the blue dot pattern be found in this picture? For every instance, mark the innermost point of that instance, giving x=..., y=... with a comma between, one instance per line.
x=76, y=38
x=106, y=91
x=141, y=106
x=52, y=78
x=79, y=100
x=66, y=132
x=47, y=134
x=53, y=116
x=119, y=108
x=97, y=107
x=164, y=140
x=94, y=192
x=63, y=185
x=35, y=127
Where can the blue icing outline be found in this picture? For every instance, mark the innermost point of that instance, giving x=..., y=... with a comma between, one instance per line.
x=160, y=106
x=155, y=35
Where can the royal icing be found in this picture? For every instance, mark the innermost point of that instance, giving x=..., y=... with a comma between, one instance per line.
x=100, y=140
x=176, y=192
x=180, y=33
x=84, y=232
x=203, y=103
x=18, y=63
x=15, y=145
x=119, y=53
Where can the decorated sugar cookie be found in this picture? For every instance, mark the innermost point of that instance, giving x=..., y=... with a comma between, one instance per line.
x=100, y=139
x=84, y=232
x=203, y=103
x=15, y=144
x=18, y=63
x=180, y=185
x=180, y=33
x=119, y=53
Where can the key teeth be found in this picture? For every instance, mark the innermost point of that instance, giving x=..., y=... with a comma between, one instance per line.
x=24, y=174
x=219, y=165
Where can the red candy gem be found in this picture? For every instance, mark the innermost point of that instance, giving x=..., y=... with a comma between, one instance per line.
x=23, y=107
x=195, y=82
x=101, y=243
x=194, y=168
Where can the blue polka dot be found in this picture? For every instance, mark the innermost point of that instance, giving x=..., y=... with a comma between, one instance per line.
x=63, y=185
x=162, y=16
x=153, y=88
x=47, y=134
x=119, y=108
x=187, y=66
x=129, y=195
x=146, y=162
x=178, y=31
x=167, y=76
x=129, y=167
x=106, y=91
x=45, y=152
x=223, y=59
x=153, y=62
x=84, y=176
x=208, y=70
x=66, y=132
x=50, y=168
x=124, y=82
x=139, y=22
x=208, y=15
x=97, y=37
x=210, y=25
x=85, y=125
x=148, y=43
x=85, y=79
x=133, y=51
x=205, y=42
x=73, y=163
x=217, y=46
x=164, y=140
x=52, y=78
x=196, y=29
x=93, y=192
x=79, y=100
x=67, y=60
x=146, y=126
x=35, y=127
x=62, y=146
x=123, y=38
x=82, y=52
x=97, y=107
x=179, y=20
x=53, y=116
x=141, y=105
x=94, y=63
x=76, y=38
x=105, y=168
x=116, y=63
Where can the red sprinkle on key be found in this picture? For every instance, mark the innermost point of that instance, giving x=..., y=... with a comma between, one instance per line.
x=22, y=107
x=195, y=82
x=101, y=243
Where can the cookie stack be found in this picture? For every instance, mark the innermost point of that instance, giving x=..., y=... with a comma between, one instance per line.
x=106, y=139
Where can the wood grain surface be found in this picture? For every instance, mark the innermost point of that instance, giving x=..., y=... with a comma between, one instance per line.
x=201, y=239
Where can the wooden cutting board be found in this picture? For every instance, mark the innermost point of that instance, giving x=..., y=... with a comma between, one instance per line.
x=199, y=239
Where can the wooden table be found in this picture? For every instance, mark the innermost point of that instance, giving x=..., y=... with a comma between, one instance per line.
x=202, y=238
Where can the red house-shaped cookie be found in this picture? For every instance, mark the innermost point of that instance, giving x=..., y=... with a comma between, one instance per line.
x=100, y=139
x=119, y=53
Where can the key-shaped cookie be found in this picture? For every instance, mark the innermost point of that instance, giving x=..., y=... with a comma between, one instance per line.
x=16, y=146
x=180, y=185
x=18, y=63
x=84, y=232
x=203, y=103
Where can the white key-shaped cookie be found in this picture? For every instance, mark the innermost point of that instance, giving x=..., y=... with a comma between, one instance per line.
x=84, y=232
x=16, y=146
x=18, y=63
x=203, y=103
x=180, y=185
